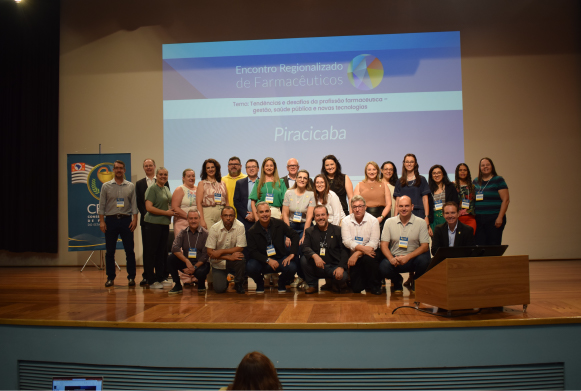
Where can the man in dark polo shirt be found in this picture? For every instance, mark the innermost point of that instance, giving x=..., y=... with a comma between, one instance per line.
x=118, y=217
x=324, y=253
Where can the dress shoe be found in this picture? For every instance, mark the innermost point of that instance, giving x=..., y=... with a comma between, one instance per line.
x=131, y=282
x=143, y=282
x=109, y=283
x=239, y=288
x=310, y=290
x=375, y=291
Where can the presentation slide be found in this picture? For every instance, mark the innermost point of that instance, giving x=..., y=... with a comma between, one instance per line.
x=360, y=98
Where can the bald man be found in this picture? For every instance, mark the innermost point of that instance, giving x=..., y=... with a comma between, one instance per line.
x=405, y=244
x=293, y=168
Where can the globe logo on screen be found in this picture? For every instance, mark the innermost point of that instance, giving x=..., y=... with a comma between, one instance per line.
x=365, y=72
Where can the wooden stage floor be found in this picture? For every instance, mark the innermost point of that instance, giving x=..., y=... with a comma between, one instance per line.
x=62, y=296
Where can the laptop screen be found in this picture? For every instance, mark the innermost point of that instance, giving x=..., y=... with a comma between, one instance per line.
x=77, y=383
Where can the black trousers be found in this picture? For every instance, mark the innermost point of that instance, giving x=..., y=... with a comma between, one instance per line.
x=155, y=251
x=176, y=264
x=486, y=232
x=365, y=274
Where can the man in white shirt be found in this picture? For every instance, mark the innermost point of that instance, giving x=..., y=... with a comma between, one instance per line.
x=360, y=233
x=405, y=244
x=225, y=243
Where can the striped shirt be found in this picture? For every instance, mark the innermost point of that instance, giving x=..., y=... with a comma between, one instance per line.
x=491, y=203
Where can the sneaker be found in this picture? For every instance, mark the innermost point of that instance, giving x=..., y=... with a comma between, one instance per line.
x=166, y=282
x=297, y=282
x=260, y=286
x=176, y=289
x=201, y=286
x=281, y=286
x=156, y=285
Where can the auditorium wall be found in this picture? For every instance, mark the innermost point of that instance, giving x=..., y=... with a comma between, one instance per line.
x=521, y=87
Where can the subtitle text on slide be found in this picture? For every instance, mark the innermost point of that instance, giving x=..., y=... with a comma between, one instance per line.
x=306, y=105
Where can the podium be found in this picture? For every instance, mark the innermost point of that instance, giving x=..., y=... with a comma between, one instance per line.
x=480, y=282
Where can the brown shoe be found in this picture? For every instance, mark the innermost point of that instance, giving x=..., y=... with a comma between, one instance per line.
x=310, y=290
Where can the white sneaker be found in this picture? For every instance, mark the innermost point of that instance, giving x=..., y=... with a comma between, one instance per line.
x=167, y=282
x=156, y=285
x=298, y=281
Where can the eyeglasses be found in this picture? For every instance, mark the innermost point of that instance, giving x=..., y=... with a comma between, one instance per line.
x=250, y=167
x=292, y=166
x=358, y=206
x=234, y=164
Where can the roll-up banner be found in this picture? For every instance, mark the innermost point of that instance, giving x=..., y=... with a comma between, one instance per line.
x=85, y=176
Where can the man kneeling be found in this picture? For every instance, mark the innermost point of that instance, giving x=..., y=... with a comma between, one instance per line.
x=268, y=254
x=324, y=253
x=189, y=254
x=404, y=242
x=225, y=244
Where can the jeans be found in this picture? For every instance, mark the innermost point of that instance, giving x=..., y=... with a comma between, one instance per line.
x=256, y=270
x=299, y=229
x=313, y=273
x=418, y=265
x=115, y=228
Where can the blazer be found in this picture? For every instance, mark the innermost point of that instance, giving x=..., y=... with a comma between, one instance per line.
x=279, y=231
x=451, y=195
x=464, y=237
x=241, y=199
x=140, y=189
x=285, y=179
x=338, y=254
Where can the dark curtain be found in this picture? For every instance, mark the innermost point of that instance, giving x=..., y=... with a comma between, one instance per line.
x=29, y=94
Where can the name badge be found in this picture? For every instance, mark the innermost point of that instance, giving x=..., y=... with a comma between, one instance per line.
x=322, y=251
x=298, y=217
x=479, y=197
x=359, y=239
x=465, y=204
x=403, y=242
x=218, y=198
x=269, y=198
x=120, y=202
x=438, y=205
x=270, y=251
x=193, y=253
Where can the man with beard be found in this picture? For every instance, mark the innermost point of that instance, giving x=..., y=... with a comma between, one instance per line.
x=324, y=255
x=234, y=173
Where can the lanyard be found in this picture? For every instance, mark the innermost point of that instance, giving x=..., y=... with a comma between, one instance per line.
x=324, y=242
x=197, y=237
x=482, y=189
x=268, y=234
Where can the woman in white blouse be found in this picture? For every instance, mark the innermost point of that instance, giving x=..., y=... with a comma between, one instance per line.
x=325, y=196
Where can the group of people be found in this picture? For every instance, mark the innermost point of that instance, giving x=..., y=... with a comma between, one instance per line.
x=254, y=225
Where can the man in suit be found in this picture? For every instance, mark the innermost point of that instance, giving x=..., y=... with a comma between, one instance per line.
x=293, y=168
x=324, y=253
x=242, y=190
x=140, y=189
x=267, y=249
x=452, y=233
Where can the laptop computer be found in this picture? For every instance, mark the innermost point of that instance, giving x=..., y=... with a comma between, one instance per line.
x=77, y=383
x=466, y=252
